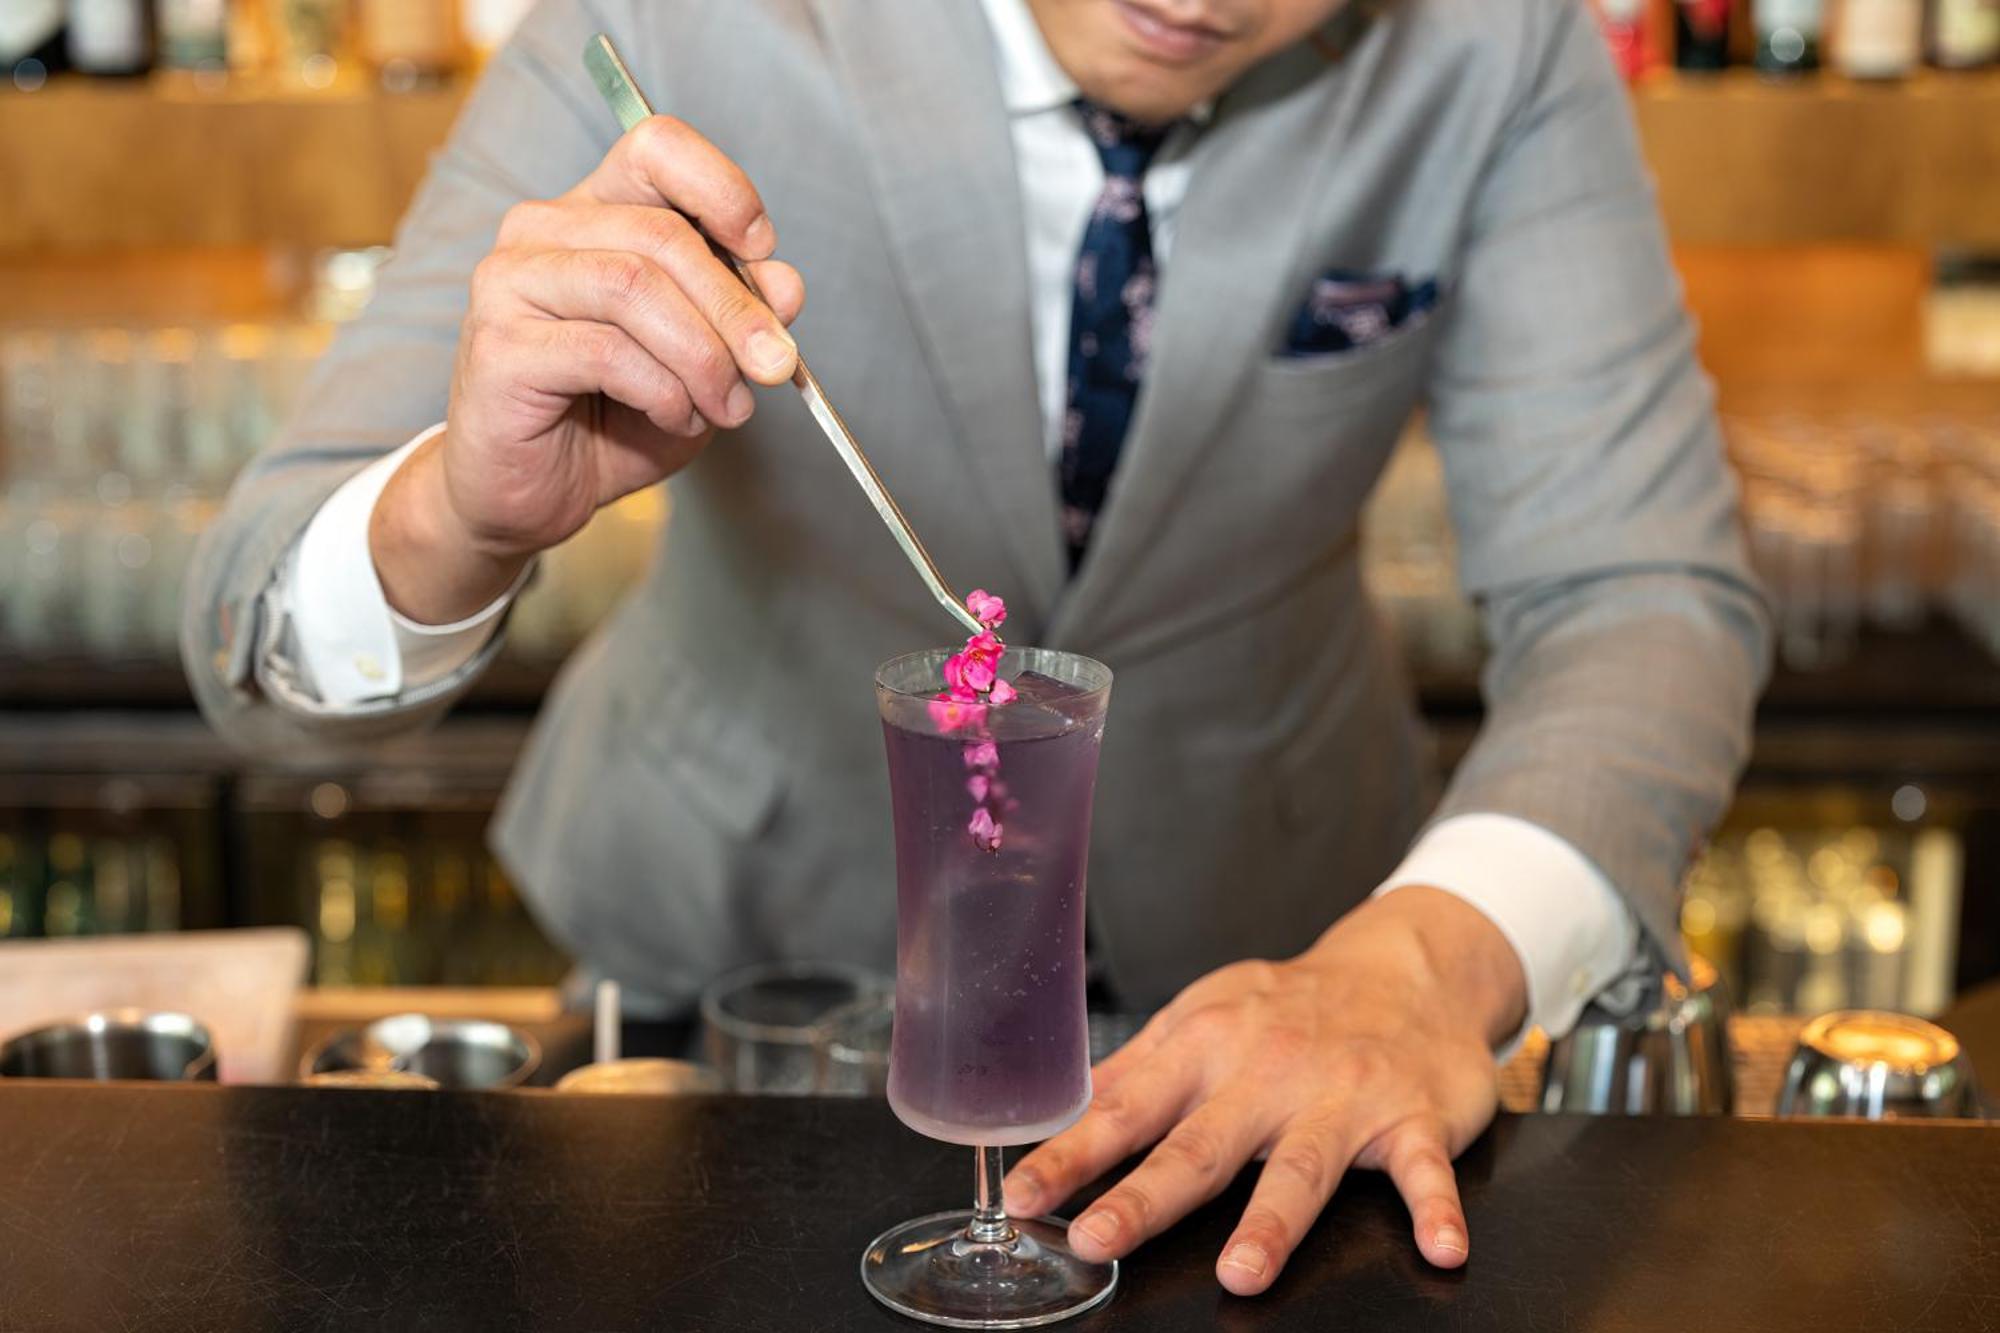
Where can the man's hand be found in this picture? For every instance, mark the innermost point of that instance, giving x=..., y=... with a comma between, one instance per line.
x=603, y=344
x=1373, y=1048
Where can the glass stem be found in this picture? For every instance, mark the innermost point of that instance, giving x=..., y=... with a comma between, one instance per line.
x=989, y=1224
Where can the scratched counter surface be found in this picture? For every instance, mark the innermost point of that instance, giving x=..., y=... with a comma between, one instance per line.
x=152, y=1208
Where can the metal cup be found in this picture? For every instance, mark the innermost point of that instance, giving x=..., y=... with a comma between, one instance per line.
x=463, y=1054
x=377, y=1079
x=670, y=1077
x=1878, y=1066
x=118, y=1044
x=759, y=1024
x=1673, y=1060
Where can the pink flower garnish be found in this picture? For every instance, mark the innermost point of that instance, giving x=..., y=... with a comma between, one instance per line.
x=987, y=609
x=972, y=681
x=985, y=832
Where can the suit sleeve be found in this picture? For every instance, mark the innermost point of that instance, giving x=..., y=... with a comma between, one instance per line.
x=1596, y=517
x=531, y=129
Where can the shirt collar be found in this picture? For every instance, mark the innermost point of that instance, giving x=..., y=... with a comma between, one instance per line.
x=1031, y=81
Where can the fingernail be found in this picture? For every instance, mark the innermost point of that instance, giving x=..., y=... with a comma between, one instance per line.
x=1448, y=1238
x=1248, y=1258
x=760, y=236
x=739, y=404
x=771, y=355
x=1022, y=1193
x=1101, y=1227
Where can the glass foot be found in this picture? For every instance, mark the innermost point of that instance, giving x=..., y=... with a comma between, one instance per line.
x=928, y=1269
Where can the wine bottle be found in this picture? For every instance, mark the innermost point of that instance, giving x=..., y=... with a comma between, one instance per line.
x=1701, y=34
x=1879, y=39
x=194, y=35
x=1788, y=35
x=31, y=43
x=111, y=38
x=1623, y=23
x=1964, y=34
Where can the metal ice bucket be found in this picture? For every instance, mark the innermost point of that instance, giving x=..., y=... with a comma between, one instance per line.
x=117, y=1044
x=1673, y=1060
x=1878, y=1066
x=465, y=1054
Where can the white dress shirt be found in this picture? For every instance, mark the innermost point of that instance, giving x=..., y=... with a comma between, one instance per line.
x=345, y=646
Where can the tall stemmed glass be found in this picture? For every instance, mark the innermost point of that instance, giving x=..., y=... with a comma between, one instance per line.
x=991, y=1044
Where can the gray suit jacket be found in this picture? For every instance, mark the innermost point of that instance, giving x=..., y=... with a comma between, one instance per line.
x=697, y=795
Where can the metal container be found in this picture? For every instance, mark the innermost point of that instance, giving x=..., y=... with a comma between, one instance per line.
x=642, y=1076
x=117, y=1044
x=1673, y=1060
x=462, y=1054
x=377, y=1079
x=1878, y=1066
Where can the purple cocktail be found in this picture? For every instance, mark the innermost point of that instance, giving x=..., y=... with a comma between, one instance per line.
x=990, y=1044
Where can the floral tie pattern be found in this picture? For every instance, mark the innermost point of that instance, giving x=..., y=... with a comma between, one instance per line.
x=1111, y=321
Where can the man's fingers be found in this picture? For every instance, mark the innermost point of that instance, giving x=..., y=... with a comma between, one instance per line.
x=1305, y=1164
x=622, y=289
x=784, y=290
x=571, y=358
x=754, y=332
x=665, y=161
x=1415, y=1155
x=1189, y=1167
x=1118, y=1124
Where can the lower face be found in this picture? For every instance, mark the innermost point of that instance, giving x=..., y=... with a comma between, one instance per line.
x=1155, y=60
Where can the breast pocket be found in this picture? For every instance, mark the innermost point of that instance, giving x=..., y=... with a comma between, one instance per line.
x=1383, y=377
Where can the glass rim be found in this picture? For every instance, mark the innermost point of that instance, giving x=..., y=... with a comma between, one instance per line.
x=864, y=981
x=884, y=672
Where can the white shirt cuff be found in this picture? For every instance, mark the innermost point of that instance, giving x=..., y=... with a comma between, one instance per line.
x=350, y=643
x=1572, y=932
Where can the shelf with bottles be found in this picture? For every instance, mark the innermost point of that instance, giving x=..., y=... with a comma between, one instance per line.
x=1740, y=158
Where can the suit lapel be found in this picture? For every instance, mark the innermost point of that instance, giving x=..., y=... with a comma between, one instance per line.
x=936, y=139
x=1236, y=269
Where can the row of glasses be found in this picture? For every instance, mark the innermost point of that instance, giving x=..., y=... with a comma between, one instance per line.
x=1856, y=519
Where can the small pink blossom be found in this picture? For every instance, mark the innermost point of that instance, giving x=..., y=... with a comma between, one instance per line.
x=985, y=832
x=987, y=609
x=979, y=784
x=982, y=755
x=1003, y=693
x=984, y=647
x=949, y=714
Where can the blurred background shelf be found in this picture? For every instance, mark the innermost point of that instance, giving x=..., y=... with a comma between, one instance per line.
x=1743, y=160
x=332, y=168
x=1740, y=160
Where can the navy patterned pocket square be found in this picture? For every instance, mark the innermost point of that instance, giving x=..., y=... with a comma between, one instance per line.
x=1346, y=311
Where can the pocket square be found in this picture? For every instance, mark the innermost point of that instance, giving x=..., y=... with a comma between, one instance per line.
x=1346, y=311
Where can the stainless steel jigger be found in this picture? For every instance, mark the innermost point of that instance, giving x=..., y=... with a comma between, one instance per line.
x=1673, y=1060
x=1878, y=1066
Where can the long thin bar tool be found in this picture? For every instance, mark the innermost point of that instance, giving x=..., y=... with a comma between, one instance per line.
x=614, y=81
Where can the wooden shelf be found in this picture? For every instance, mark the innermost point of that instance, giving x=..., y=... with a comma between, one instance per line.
x=108, y=166
x=1740, y=161
x=1743, y=160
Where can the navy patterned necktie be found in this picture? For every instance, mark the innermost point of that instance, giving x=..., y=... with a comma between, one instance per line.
x=1110, y=324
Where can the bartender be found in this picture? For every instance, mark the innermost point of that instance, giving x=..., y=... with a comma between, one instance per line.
x=1129, y=300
